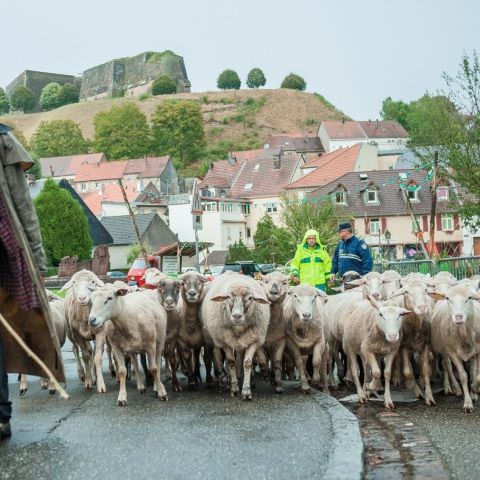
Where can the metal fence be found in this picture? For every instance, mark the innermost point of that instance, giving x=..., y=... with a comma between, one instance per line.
x=461, y=267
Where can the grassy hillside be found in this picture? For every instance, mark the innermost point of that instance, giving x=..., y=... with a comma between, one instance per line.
x=237, y=119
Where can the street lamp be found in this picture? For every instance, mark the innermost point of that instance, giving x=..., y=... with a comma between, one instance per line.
x=388, y=236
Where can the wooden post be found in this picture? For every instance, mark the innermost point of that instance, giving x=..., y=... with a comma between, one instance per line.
x=433, y=207
x=412, y=214
x=132, y=216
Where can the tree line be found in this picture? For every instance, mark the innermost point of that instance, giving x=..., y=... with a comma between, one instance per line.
x=229, y=80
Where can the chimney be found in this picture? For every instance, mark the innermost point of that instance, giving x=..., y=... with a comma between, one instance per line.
x=377, y=123
x=232, y=160
x=277, y=159
x=343, y=120
x=52, y=173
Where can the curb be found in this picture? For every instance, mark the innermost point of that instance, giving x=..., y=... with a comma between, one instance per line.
x=346, y=459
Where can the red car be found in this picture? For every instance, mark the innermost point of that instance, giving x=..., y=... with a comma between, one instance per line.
x=137, y=270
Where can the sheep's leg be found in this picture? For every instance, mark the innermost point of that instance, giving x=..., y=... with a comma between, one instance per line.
x=324, y=370
x=467, y=404
x=121, y=375
x=297, y=358
x=44, y=383
x=111, y=366
x=78, y=361
x=476, y=376
x=230, y=355
x=239, y=363
x=208, y=360
x=397, y=372
x=100, y=339
x=376, y=382
x=247, y=371
x=196, y=359
x=262, y=363
x=427, y=375
x=173, y=368
x=155, y=359
x=23, y=384
x=388, y=375
x=457, y=391
x=354, y=371
x=318, y=350
x=87, y=356
x=186, y=354
x=138, y=374
x=277, y=355
x=408, y=373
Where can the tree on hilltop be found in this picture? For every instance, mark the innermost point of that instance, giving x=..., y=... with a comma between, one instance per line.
x=228, y=80
x=68, y=94
x=57, y=138
x=49, y=96
x=256, y=78
x=122, y=132
x=4, y=102
x=294, y=82
x=63, y=225
x=23, y=99
x=164, y=85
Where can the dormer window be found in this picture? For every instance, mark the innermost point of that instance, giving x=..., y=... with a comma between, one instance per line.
x=248, y=186
x=371, y=196
x=413, y=194
x=442, y=194
x=340, y=197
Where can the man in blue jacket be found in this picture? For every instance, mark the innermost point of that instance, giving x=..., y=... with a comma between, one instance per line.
x=351, y=254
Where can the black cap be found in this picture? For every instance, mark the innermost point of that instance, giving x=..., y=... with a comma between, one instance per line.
x=4, y=128
x=344, y=226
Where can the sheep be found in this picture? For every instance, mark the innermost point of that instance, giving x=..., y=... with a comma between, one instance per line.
x=235, y=314
x=138, y=324
x=152, y=277
x=304, y=314
x=391, y=281
x=372, y=328
x=276, y=287
x=454, y=334
x=77, y=308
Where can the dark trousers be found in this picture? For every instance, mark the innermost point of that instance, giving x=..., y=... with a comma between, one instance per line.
x=5, y=405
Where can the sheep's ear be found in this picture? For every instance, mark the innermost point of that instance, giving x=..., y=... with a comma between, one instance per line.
x=68, y=285
x=398, y=293
x=322, y=295
x=121, y=292
x=437, y=295
x=404, y=311
x=356, y=283
x=220, y=298
x=260, y=299
x=100, y=283
x=372, y=301
x=203, y=279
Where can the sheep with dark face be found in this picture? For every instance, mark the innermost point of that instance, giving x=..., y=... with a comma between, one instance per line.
x=235, y=313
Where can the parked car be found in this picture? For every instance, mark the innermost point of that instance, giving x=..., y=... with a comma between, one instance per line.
x=247, y=268
x=266, y=268
x=137, y=270
x=116, y=274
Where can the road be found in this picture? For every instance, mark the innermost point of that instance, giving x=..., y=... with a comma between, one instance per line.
x=195, y=435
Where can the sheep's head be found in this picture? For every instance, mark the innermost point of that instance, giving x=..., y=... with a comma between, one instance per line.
x=239, y=302
x=104, y=304
x=192, y=286
x=416, y=297
x=168, y=292
x=306, y=300
x=276, y=286
x=152, y=276
x=82, y=284
x=372, y=281
x=389, y=318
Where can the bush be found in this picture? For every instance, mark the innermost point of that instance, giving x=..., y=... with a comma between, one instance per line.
x=68, y=94
x=49, y=96
x=256, y=78
x=122, y=132
x=23, y=99
x=228, y=79
x=58, y=138
x=63, y=224
x=164, y=85
x=4, y=102
x=144, y=96
x=294, y=82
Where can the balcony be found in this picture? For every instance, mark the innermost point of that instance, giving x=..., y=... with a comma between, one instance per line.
x=228, y=217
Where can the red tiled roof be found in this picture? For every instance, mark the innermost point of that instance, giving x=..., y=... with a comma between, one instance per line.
x=109, y=193
x=241, y=155
x=341, y=130
x=329, y=167
x=68, y=165
x=354, y=130
x=148, y=167
x=102, y=171
x=220, y=175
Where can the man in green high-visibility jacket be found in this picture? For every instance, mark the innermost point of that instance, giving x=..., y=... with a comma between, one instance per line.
x=312, y=264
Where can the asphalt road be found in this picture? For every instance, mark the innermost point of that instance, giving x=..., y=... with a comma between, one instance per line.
x=195, y=435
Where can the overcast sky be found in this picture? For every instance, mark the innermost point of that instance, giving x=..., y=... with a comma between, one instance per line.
x=353, y=52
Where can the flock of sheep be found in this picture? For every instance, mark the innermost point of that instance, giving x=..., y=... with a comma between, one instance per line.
x=403, y=330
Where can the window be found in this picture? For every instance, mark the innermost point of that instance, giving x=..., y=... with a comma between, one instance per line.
x=413, y=195
x=271, y=207
x=246, y=208
x=371, y=196
x=97, y=186
x=83, y=187
x=229, y=234
x=442, y=194
x=226, y=207
x=240, y=235
x=374, y=226
x=416, y=229
x=223, y=193
x=257, y=166
x=140, y=186
x=248, y=233
x=447, y=222
x=341, y=197
x=248, y=186
x=210, y=207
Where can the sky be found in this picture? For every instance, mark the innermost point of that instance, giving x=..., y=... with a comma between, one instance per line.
x=355, y=53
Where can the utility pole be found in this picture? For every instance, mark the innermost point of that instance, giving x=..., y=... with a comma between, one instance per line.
x=433, y=207
x=132, y=216
x=196, y=209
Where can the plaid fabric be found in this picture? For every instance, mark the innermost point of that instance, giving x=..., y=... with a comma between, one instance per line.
x=14, y=275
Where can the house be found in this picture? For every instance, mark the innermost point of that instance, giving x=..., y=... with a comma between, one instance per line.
x=68, y=166
x=332, y=165
x=386, y=134
x=377, y=201
x=153, y=232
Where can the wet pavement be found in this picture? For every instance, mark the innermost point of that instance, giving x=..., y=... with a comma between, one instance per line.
x=195, y=435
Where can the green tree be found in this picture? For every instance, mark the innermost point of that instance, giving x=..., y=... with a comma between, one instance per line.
x=122, y=132
x=316, y=213
x=68, y=94
x=294, y=82
x=4, y=102
x=164, y=85
x=272, y=244
x=23, y=99
x=238, y=251
x=49, y=96
x=63, y=224
x=256, y=78
x=58, y=138
x=228, y=80
x=395, y=110
x=177, y=128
